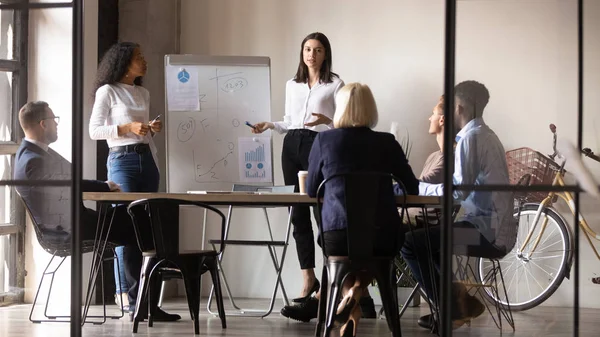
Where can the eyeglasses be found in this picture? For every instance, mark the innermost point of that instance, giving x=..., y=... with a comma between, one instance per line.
x=56, y=119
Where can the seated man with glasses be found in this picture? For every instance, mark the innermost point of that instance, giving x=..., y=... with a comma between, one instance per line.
x=50, y=205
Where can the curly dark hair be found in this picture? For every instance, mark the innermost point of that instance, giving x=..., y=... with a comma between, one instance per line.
x=474, y=95
x=114, y=65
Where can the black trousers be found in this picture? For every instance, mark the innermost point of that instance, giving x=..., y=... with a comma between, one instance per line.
x=294, y=158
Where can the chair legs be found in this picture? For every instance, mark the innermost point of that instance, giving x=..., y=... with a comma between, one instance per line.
x=501, y=310
x=153, y=293
x=192, y=289
x=214, y=274
x=49, y=291
x=337, y=273
x=386, y=281
x=149, y=288
x=334, y=274
x=147, y=265
x=162, y=293
x=322, y=313
x=66, y=318
x=490, y=281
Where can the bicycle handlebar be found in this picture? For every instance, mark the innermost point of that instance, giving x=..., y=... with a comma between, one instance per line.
x=586, y=151
x=553, y=130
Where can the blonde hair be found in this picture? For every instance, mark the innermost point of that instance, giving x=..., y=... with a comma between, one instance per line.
x=355, y=107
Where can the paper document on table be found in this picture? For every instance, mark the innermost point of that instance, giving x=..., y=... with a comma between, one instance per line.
x=182, y=89
x=254, y=154
x=221, y=192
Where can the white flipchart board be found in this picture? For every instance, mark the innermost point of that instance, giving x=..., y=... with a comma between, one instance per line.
x=208, y=101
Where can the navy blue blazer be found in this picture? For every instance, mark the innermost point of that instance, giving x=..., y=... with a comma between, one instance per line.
x=50, y=206
x=359, y=149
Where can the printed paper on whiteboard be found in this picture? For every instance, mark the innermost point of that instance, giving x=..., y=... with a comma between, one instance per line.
x=182, y=89
x=254, y=155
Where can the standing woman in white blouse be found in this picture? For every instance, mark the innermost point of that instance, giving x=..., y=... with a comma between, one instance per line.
x=121, y=117
x=309, y=109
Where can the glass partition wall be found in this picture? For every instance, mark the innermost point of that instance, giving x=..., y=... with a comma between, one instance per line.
x=45, y=69
x=519, y=76
x=535, y=64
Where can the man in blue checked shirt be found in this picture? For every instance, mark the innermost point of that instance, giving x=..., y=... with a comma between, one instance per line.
x=487, y=222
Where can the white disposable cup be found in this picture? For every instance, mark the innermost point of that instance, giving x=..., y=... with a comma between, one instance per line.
x=302, y=181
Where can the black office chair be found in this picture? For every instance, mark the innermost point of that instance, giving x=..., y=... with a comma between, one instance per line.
x=158, y=239
x=58, y=244
x=362, y=196
x=491, y=280
x=494, y=275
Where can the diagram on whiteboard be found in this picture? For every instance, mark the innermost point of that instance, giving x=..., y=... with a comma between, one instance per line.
x=252, y=157
x=207, y=138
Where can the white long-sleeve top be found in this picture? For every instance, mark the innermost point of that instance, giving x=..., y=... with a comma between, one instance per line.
x=301, y=102
x=118, y=104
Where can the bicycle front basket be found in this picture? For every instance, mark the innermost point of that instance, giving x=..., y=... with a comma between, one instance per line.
x=524, y=161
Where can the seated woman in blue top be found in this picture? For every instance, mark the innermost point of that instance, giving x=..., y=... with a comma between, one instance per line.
x=352, y=146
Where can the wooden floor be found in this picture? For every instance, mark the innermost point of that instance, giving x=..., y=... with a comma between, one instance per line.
x=545, y=322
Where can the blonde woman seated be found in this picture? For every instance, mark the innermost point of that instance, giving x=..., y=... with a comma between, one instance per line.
x=335, y=151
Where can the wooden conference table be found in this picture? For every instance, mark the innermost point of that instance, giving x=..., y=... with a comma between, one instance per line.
x=242, y=198
x=237, y=199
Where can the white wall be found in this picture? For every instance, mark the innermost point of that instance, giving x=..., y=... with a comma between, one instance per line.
x=523, y=50
x=50, y=79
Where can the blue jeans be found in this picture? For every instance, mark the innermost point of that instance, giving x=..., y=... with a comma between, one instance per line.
x=134, y=173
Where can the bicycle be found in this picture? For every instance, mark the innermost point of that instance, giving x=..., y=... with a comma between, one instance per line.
x=543, y=255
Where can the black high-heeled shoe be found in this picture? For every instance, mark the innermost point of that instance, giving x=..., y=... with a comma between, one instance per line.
x=314, y=289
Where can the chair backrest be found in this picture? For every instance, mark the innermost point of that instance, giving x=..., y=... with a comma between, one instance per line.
x=155, y=228
x=52, y=241
x=363, y=192
x=254, y=188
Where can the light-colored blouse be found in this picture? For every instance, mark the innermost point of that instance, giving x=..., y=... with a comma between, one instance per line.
x=118, y=104
x=301, y=102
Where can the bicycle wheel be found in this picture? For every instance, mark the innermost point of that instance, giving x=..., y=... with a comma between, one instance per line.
x=531, y=278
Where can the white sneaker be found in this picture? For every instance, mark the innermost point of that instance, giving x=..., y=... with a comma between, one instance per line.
x=122, y=298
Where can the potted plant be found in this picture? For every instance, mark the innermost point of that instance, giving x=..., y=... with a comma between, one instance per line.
x=406, y=283
x=404, y=140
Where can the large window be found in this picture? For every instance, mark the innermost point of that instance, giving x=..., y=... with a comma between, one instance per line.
x=13, y=85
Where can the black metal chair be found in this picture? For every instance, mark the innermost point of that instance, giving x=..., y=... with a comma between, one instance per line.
x=158, y=239
x=491, y=280
x=58, y=244
x=493, y=276
x=362, y=196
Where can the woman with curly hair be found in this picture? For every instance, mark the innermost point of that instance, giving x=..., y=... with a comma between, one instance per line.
x=121, y=117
